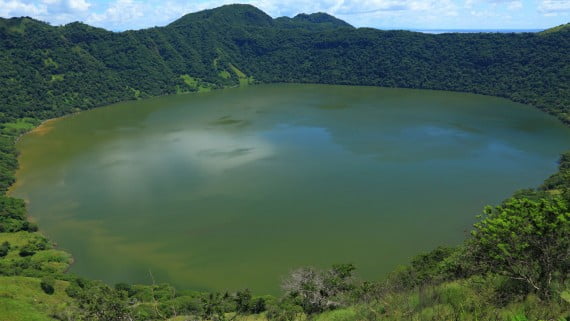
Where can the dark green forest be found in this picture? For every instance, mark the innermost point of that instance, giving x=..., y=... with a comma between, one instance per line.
x=50, y=71
x=514, y=265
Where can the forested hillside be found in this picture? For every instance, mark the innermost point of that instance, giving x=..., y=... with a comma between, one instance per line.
x=515, y=265
x=48, y=71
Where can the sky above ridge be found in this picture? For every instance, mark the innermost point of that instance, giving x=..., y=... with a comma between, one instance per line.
x=121, y=15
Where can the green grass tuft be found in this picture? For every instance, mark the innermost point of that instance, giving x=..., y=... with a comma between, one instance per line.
x=49, y=62
x=224, y=74
x=338, y=315
x=190, y=81
x=57, y=77
x=20, y=126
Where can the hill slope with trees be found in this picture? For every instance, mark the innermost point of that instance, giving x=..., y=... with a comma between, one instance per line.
x=49, y=71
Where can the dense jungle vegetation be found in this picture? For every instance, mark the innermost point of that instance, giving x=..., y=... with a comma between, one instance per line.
x=515, y=265
x=49, y=71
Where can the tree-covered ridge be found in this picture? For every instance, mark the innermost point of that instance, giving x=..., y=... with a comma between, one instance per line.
x=49, y=71
x=319, y=20
x=563, y=27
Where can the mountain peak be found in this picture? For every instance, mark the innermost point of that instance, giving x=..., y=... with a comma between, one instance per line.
x=21, y=24
x=234, y=14
x=321, y=18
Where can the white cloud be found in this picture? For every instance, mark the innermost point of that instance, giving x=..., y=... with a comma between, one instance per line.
x=554, y=6
x=55, y=7
x=390, y=13
x=133, y=14
x=494, y=11
x=515, y=5
x=484, y=14
x=14, y=8
x=54, y=11
x=80, y=5
x=121, y=12
x=510, y=4
x=370, y=6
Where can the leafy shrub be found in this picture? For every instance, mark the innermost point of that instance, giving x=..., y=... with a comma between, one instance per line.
x=284, y=310
x=28, y=250
x=4, y=249
x=258, y=305
x=525, y=239
x=47, y=285
x=317, y=291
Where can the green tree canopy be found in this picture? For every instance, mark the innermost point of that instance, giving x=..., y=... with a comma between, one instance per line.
x=527, y=240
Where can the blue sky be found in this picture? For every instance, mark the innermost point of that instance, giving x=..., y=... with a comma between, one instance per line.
x=384, y=14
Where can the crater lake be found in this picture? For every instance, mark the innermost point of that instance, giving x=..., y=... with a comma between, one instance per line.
x=234, y=188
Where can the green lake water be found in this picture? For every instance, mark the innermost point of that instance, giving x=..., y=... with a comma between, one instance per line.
x=234, y=188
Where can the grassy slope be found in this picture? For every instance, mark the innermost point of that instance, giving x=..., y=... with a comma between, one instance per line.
x=49, y=260
x=556, y=29
x=22, y=299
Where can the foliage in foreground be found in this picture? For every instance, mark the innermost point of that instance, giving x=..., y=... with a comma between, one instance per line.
x=526, y=240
